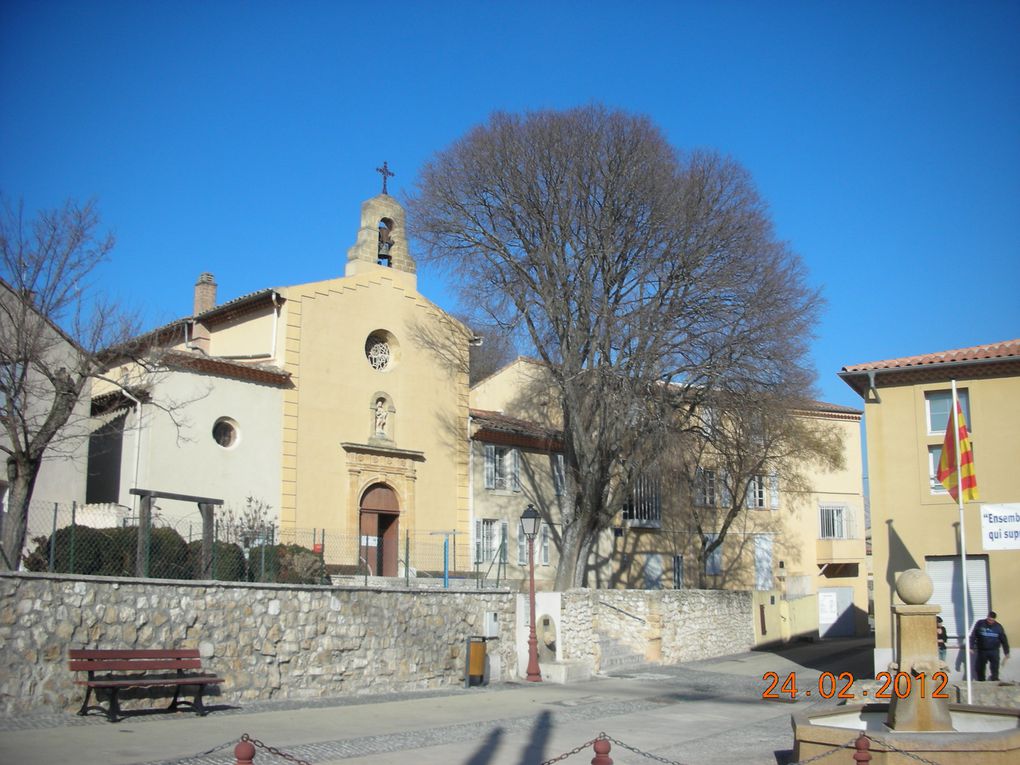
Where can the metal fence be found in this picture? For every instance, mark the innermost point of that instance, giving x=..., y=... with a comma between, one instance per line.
x=103, y=540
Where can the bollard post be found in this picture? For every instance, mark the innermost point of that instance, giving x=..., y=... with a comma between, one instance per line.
x=862, y=749
x=244, y=752
x=602, y=747
x=53, y=538
x=74, y=525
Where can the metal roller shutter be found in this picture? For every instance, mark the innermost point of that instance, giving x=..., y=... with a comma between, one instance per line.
x=945, y=576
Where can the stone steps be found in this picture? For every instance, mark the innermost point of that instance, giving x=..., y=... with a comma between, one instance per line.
x=616, y=655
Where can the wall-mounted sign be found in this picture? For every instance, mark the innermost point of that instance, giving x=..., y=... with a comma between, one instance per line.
x=1000, y=526
x=828, y=608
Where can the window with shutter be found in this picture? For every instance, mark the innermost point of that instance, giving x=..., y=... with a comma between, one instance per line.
x=487, y=539
x=723, y=489
x=502, y=468
x=490, y=466
x=713, y=566
x=756, y=492
x=705, y=488
x=545, y=545
x=558, y=474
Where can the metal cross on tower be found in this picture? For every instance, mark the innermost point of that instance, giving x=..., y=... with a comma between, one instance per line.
x=386, y=173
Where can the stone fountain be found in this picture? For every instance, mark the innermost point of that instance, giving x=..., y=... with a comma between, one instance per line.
x=916, y=719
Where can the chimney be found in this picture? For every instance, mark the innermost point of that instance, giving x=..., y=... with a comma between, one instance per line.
x=205, y=300
x=205, y=294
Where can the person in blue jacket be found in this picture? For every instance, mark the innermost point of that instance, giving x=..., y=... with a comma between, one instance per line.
x=985, y=638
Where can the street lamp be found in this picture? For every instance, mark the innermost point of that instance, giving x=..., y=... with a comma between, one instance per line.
x=530, y=520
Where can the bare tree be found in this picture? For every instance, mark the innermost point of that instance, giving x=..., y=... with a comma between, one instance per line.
x=641, y=275
x=53, y=325
x=491, y=348
x=251, y=525
x=744, y=445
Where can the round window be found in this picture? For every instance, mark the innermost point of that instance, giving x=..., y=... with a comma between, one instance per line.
x=380, y=350
x=225, y=432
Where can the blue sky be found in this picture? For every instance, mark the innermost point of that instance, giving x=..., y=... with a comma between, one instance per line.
x=240, y=137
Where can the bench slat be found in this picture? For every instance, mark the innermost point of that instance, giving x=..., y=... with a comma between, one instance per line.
x=141, y=653
x=114, y=665
x=141, y=682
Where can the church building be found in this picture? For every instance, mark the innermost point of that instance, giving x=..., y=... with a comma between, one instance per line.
x=342, y=404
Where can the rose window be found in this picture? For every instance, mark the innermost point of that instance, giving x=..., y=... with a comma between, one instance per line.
x=377, y=351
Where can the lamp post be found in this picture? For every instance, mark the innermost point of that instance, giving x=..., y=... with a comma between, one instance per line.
x=530, y=520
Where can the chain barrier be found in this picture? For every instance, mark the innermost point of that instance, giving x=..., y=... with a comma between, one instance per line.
x=604, y=737
x=848, y=745
x=575, y=750
x=851, y=745
x=635, y=750
x=905, y=753
x=273, y=750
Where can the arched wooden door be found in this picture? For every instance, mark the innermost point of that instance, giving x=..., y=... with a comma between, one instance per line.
x=380, y=529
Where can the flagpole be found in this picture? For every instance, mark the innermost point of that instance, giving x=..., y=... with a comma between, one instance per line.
x=963, y=543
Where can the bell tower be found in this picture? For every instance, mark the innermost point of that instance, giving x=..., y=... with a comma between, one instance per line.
x=382, y=237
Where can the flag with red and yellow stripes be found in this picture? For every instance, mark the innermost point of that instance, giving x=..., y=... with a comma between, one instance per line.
x=947, y=464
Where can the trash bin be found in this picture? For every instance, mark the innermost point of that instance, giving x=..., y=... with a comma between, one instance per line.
x=474, y=662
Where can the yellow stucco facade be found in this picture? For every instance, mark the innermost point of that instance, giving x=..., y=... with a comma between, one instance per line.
x=369, y=401
x=333, y=449
x=915, y=522
x=802, y=567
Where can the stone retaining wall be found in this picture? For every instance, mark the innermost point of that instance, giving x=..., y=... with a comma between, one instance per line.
x=267, y=641
x=274, y=641
x=670, y=626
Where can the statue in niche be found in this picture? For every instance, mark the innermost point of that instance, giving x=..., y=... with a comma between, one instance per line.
x=380, y=417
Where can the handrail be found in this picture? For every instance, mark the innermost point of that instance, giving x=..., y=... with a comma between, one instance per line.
x=625, y=613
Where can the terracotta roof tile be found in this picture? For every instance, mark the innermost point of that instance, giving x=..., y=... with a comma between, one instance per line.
x=498, y=421
x=826, y=408
x=261, y=373
x=1007, y=349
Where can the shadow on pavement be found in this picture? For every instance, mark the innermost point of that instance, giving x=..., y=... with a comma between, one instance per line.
x=836, y=655
x=485, y=752
x=535, y=752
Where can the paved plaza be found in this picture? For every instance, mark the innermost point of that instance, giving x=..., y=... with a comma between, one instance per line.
x=699, y=713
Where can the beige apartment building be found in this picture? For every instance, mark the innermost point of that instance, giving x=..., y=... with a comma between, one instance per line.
x=800, y=544
x=915, y=520
x=341, y=403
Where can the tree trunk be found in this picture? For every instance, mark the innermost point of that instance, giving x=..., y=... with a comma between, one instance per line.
x=16, y=517
x=570, y=554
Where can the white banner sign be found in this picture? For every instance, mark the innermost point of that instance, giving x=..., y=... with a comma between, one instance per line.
x=1000, y=526
x=828, y=608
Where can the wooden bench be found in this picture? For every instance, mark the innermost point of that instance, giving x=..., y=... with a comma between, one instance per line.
x=116, y=669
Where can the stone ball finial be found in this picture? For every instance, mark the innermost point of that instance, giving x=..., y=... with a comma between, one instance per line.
x=914, y=587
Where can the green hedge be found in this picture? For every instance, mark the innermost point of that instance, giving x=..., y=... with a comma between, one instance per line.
x=112, y=552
